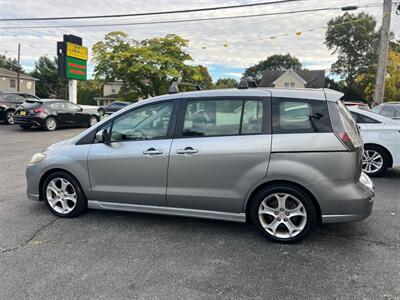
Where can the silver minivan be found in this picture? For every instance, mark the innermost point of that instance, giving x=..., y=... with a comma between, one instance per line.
x=283, y=159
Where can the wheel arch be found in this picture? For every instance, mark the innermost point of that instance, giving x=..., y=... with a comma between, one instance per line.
x=52, y=171
x=285, y=182
x=384, y=149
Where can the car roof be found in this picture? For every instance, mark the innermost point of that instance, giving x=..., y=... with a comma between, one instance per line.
x=299, y=93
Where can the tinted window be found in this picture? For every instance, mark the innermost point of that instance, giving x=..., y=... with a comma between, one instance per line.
x=57, y=105
x=145, y=123
x=361, y=119
x=223, y=117
x=13, y=98
x=73, y=107
x=388, y=111
x=300, y=116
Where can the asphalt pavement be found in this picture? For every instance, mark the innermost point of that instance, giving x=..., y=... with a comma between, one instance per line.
x=116, y=255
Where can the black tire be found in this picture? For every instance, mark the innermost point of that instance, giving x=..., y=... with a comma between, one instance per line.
x=25, y=126
x=48, y=125
x=101, y=112
x=307, y=224
x=9, y=117
x=385, y=161
x=81, y=202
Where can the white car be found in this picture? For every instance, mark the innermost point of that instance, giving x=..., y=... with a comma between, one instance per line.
x=381, y=137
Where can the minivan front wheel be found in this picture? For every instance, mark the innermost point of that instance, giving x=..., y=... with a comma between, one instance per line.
x=283, y=213
x=63, y=195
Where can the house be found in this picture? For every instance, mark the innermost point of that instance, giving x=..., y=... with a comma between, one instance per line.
x=8, y=82
x=110, y=92
x=293, y=79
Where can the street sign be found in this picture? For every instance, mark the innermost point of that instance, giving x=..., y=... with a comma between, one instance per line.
x=76, y=68
x=77, y=51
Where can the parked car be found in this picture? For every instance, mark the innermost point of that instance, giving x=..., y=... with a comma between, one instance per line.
x=381, y=137
x=9, y=102
x=237, y=155
x=388, y=109
x=112, y=107
x=51, y=114
x=358, y=104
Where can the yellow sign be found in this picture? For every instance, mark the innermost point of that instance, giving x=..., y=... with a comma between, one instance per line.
x=77, y=51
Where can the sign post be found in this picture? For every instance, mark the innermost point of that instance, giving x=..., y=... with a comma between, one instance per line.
x=72, y=63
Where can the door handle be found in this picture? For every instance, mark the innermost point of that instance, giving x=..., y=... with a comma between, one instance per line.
x=153, y=151
x=187, y=150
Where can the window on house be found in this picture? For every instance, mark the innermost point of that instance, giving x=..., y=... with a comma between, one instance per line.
x=13, y=83
x=29, y=85
x=289, y=84
x=113, y=91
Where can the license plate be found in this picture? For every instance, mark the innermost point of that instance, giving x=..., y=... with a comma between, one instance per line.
x=22, y=113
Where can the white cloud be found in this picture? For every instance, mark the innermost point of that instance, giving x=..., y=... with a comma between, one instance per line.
x=248, y=39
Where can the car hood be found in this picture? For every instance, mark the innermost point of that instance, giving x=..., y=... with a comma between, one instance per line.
x=58, y=145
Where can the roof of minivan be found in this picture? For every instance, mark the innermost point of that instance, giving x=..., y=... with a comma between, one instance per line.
x=304, y=93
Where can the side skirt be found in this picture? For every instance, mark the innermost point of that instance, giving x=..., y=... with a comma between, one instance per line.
x=171, y=211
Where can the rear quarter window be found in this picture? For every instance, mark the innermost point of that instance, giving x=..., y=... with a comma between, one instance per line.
x=300, y=116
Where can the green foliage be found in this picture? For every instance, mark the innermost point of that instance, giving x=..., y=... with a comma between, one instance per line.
x=88, y=90
x=9, y=63
x=273, y=62
x=354, y=40
x=50, y=85
x=146, y=67
x=225, y=83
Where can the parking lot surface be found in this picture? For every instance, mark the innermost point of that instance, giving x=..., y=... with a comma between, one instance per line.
x=116, y=255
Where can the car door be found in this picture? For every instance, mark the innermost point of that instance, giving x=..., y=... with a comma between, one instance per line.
x=132, y=168
x=61, y=112
x=76, y=115
x=220, y=151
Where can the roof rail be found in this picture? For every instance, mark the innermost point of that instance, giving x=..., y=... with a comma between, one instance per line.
x=174, y=88
x=246, y=82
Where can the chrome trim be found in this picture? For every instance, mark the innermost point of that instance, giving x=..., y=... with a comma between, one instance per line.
x=171, y=211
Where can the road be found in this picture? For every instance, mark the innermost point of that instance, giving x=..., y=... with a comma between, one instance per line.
x=115, y=255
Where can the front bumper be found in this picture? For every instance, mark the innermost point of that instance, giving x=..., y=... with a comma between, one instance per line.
x=32, y=182
x=354, y=204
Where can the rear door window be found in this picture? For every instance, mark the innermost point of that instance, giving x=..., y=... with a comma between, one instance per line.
x=300, y=116
x=223, y=117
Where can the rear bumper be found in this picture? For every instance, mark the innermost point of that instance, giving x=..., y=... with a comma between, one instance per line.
x=354, y=202
x=28, y=120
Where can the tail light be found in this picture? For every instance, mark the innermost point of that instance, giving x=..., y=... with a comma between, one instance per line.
x=344, y=127
x=38, y=110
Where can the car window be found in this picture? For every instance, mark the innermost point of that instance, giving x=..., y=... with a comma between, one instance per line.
x=361, y=119
x=72, y=107
x=388, y=111
x=14, y=98
x=144, y=123
x=222, y=117
x=57, y=105
x=300, y=116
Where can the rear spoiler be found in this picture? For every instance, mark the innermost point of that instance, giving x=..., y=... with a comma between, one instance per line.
x=332, y=95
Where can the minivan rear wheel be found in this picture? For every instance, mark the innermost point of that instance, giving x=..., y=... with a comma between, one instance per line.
x=283, y=213
x=63, y=195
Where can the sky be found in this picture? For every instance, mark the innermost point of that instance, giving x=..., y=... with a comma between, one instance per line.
x=226, y=47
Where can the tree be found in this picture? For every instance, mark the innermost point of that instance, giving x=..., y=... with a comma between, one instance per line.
x=392, y=81
x=354, y=40
x=9, y=63
x=225, y=83
x=88, y=90
x=146, y=67
x=273, y=62
x=50, y=85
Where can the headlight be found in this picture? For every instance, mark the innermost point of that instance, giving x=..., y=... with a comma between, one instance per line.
x=37, y=157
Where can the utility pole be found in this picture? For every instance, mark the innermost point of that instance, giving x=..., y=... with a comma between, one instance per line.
x=383, y=53
x=19, y=65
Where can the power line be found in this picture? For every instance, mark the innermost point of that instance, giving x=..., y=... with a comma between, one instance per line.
x=151, y=13
x=181, y=21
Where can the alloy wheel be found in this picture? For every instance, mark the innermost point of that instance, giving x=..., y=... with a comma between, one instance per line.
x=10, y=118
x=282, y=215
x=93, y=121
x=61, y=195
x=51, y=124
x=372, y=161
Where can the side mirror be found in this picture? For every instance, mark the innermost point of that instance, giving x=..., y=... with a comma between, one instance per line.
x=102, y=136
